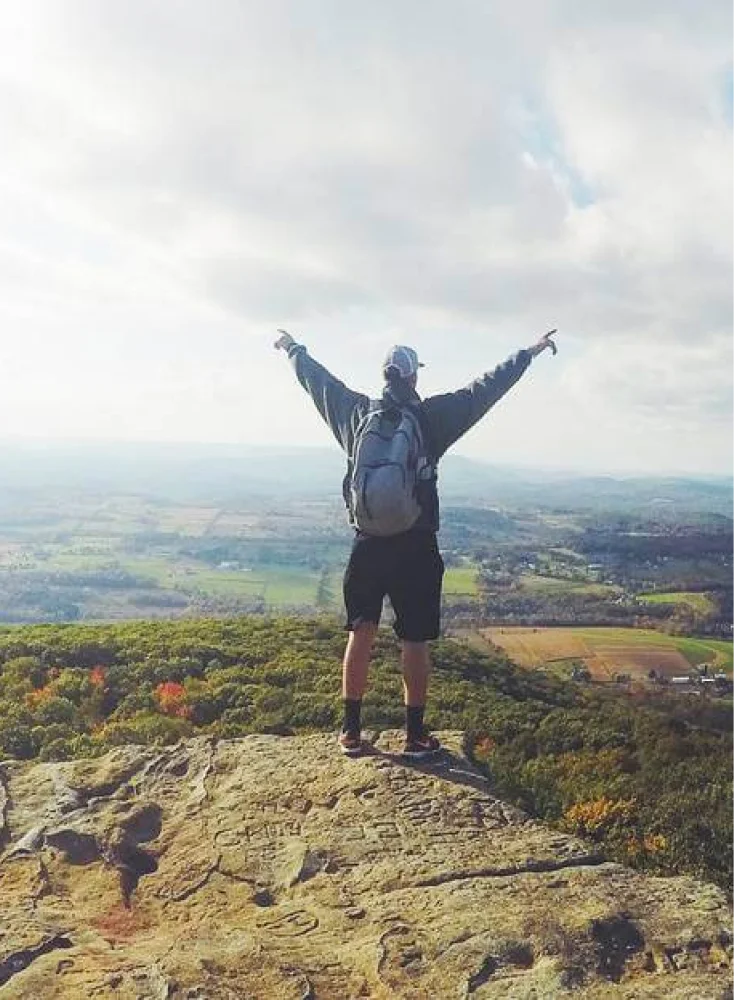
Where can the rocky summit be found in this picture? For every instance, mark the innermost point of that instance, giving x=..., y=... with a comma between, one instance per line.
x=272, y=867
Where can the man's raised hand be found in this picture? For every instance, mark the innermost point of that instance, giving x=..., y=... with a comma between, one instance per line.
x=284, y=341
x=544, y=342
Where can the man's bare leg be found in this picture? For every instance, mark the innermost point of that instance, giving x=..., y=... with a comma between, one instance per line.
x=416, y=669
x=357, y=660
x=354, y=682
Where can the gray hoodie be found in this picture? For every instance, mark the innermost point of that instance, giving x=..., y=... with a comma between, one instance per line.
x=444, y=418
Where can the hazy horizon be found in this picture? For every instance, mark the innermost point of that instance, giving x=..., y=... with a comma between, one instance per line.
x=58, y=446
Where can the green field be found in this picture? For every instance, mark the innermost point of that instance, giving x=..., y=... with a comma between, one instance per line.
x=537, y=584
x=699, y=602
x=714, y=651
x=461, y=581
x=160, y=571
x=281, y=586
x=91, y=540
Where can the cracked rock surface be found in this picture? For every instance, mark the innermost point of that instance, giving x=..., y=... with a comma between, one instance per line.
x=272, y=867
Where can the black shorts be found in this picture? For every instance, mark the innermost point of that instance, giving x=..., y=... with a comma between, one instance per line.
x=408, y=568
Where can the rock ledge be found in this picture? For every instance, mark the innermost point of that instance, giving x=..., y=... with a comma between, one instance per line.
x=272, y=867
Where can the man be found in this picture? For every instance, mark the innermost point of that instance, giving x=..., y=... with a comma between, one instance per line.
x=407, y=567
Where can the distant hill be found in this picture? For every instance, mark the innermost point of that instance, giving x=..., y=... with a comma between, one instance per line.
x=225, y=473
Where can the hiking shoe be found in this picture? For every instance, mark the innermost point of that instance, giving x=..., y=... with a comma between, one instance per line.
x=351, y=744
x=425, y=746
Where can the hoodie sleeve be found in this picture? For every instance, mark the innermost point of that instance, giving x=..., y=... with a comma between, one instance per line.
x=452, y=414
x=338, y=405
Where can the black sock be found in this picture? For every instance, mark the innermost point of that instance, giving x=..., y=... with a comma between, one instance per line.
x=414, y=721
x=352, y=716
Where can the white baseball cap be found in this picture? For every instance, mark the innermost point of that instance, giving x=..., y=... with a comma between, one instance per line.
x=404, y=359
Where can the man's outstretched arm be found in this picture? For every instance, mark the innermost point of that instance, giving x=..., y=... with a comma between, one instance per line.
x=452, y=414
x=335, y=402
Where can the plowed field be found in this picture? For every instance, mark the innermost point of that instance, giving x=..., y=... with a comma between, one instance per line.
x=607, y=652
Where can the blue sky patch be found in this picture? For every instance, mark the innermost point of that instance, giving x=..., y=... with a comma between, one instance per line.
x=542, y=140
x=727, y=95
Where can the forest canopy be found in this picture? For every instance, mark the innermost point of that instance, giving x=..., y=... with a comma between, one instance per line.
x=648, y=780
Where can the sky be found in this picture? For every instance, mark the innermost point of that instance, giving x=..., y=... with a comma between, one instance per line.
x=180, y=179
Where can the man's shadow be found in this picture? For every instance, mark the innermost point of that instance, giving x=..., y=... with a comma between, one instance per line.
x=448, y=764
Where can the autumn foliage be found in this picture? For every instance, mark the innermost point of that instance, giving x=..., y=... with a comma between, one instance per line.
x=649, y=783
x=171, y=698
x=591, y=819
x=97, y=676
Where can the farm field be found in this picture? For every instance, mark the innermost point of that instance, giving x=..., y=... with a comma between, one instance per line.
x=461, y=581
x=109, y=556
x=607, y=652
x=280, y=586
x=94, y=539
x=534, y=583
x=103, y=553
x=699, y=602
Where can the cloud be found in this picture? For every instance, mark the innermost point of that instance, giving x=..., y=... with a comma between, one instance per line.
x=182, y=181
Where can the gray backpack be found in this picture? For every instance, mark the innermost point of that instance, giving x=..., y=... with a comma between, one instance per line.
x=387, y=461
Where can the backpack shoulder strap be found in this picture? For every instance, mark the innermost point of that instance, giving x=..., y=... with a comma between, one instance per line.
x=428, y=442
x=373, y=406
